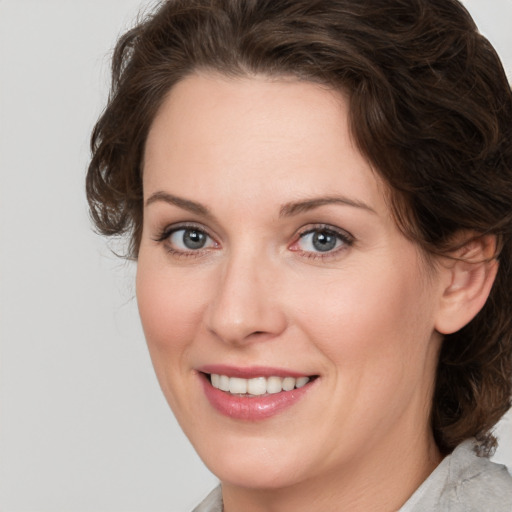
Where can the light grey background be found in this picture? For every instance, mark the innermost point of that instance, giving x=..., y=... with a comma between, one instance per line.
x=83, y=424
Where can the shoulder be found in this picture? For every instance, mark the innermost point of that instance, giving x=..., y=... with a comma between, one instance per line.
x=212, y=503
x=475, y=483
x=464, y=482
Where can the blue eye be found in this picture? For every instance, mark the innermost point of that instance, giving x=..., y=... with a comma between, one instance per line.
x=189, y=239
x=322, y=240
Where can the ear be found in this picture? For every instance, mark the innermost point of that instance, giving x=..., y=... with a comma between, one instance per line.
x=470, y=272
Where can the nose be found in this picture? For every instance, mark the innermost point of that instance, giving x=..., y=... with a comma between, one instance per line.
x=245, y=306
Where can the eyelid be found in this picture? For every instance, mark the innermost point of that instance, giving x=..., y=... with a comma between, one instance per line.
x=168, y=230
x=325, y=227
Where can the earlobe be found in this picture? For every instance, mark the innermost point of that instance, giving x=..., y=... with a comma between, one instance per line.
x=471, y=272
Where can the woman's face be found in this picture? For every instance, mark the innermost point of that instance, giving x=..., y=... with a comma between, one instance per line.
x=269, y=256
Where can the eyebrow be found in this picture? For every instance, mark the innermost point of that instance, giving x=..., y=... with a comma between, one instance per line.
x=185, y=204
x=296, y=207
x=287, y=210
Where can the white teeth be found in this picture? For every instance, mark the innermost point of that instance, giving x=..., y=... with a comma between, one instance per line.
x=288, y=383
x=258, y=385
x=223, y=383
x=215, y=380
x=274, y=385
x=301, y=381
x=237, y=386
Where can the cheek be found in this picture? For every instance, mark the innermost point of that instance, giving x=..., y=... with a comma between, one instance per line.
x=376, y=332
x=370, y=318
x=170, y=306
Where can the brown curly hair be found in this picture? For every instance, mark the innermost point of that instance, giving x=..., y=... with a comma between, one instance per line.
x=430, y=107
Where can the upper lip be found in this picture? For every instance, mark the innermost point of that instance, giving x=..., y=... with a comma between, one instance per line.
x=249, y=372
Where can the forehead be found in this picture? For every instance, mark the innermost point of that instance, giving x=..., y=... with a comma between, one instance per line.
x=256, y=138
x=253, y=109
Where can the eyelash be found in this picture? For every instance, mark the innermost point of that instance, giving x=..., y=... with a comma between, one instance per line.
x=346, y=239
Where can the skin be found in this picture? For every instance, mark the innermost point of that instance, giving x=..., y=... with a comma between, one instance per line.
x=362, y=316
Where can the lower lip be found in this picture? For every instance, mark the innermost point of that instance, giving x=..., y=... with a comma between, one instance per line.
x=252, y=408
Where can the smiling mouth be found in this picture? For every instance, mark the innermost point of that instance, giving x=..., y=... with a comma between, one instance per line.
x=257, y=386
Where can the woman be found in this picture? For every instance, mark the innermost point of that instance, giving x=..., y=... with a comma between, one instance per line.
x=317, y=194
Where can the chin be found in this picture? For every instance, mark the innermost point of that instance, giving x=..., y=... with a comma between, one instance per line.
x=255, y=475
x=256, y=467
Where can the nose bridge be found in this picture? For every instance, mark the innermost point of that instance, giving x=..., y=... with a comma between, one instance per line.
x=243, y=306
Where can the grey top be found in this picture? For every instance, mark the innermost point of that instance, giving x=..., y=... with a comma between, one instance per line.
x=463, y=482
